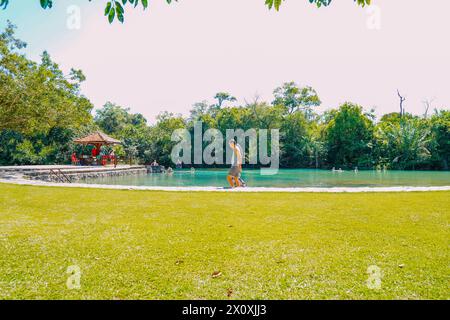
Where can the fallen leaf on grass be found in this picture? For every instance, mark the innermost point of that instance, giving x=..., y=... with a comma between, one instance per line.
x=216, y=274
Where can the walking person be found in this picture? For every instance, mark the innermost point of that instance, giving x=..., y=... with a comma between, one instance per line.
x=236, y=165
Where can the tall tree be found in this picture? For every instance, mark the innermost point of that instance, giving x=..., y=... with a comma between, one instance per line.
x=131, y=129
x=407, y=142
x=294, y=98
x=161, y=143
x=440, y=143
x=221, y=97
x=37, y=96
x=348, y=135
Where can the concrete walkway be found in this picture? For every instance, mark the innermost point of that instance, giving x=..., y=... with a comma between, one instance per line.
x=66, y=173
x=59, y=167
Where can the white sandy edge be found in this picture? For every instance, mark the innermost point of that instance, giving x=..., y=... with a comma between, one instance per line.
x=21, y=181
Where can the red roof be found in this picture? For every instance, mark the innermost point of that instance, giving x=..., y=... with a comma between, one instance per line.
x=97, y=138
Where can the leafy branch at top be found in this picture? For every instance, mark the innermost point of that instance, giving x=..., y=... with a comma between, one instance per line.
x=115, y=8
x=277, y=3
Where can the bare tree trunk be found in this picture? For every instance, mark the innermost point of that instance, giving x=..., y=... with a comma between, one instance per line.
x=427, y=103
x=402, y=99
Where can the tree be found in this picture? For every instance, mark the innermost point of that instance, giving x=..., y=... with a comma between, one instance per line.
x=294, y=98
x=198, y=110
x=131, y=129
x=115, y=8
x=112, y=118
x=294, y=130
x=314, y=146
x=221, y=97
x=41, y=109
x=408, y=143
x=264, y=115
x=402, y=100
x=348, y=135
x=427, y=104
x=35, y=97
x=161, y=144
x=440, y=143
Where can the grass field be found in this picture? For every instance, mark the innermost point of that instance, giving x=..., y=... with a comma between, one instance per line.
x=163, y=245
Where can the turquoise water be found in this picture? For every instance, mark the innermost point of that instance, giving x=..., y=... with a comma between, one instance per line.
x=287, y=178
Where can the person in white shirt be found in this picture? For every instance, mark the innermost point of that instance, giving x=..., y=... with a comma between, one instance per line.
x=236, y=165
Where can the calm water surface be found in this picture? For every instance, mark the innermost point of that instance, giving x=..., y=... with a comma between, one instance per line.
x=286, y=178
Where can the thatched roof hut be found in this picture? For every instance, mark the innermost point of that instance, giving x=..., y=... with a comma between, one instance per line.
x=98, y=139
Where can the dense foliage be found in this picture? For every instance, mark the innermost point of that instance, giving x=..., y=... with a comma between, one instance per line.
x=42, y=110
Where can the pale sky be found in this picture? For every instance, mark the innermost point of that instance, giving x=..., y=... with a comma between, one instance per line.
x=169, y=57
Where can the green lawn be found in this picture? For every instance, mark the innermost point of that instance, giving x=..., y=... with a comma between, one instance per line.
x=163, y=245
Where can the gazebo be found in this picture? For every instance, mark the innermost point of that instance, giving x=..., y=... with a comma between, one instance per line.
x=97, y=139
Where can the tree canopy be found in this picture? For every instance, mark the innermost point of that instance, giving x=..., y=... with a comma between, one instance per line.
x=37, y=96
x=116, y=8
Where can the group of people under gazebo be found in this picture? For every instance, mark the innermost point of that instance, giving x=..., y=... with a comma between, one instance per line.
x=97, y=156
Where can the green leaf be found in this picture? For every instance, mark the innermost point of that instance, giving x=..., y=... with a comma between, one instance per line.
x=119, y=8
x=111, y=16
x=120, y=17
x=44, y=4
x=108, y=8
x=277, y=4
x=4, y=4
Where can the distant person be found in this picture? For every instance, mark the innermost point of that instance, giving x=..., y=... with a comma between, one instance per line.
x=113, y=157
x=236, y=165
x=169, y=171
x=154, y=164
x=75, y=160
x=179, y=164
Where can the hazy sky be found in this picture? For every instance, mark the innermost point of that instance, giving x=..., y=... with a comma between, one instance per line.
x=169, y=57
